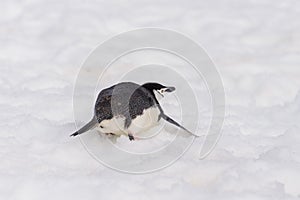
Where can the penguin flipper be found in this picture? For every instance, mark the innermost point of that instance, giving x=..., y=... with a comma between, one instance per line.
x=172, y=121
x=91, y=124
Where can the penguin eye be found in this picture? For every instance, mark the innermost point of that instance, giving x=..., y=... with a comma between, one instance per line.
x=162, y=91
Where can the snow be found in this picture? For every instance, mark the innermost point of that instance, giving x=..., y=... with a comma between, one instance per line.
x=255, y=45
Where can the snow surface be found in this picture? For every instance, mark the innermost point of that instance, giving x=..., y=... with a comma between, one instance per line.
x=254, y=43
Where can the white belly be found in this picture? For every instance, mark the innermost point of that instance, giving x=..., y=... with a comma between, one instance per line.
x=114, y=125
x=144, y=122
x=141, y=123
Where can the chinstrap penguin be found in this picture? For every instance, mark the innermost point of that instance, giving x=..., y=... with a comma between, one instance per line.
x=128, y=109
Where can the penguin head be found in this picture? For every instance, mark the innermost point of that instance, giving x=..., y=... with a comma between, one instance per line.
x=157, y=88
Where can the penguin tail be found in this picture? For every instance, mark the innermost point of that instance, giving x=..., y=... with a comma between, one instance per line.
x=90, y=125
x=172, y=121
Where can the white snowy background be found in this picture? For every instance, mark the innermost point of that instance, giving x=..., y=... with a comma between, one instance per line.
x=254, y=43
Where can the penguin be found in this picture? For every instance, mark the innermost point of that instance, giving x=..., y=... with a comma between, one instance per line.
x=128, y=109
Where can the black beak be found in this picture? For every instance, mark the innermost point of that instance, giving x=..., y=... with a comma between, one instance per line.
x=170, y=89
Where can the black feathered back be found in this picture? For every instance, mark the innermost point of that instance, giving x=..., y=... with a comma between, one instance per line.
x=125, y=99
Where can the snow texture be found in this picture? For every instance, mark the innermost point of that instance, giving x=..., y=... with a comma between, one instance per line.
x=254, y=43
